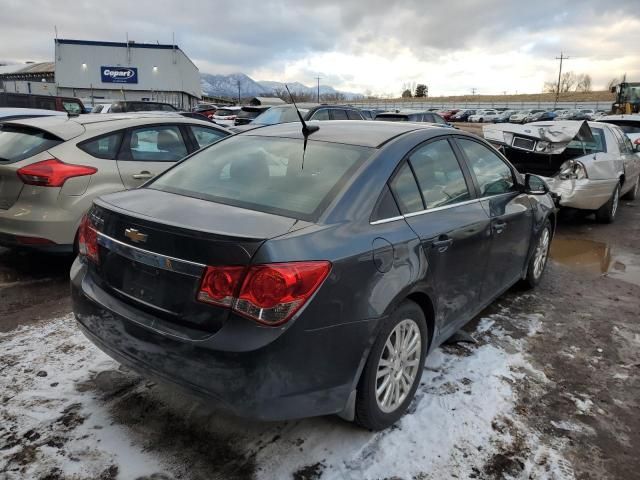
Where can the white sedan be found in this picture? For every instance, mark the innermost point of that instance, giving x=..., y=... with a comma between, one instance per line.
x=484, y=116
x=589, y=165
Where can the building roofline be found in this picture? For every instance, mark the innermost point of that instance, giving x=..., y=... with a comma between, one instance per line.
x=131, y=44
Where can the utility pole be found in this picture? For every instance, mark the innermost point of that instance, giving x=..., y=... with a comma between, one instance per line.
x=561, y=58
x=238, y=92
x=473, y=91
x=318, y=79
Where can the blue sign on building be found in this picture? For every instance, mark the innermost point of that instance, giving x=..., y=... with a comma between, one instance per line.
x=119, y=74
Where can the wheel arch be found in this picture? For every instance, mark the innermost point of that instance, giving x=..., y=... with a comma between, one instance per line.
x=426, y=305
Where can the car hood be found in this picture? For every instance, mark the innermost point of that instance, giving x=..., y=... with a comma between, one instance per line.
x=550, y=139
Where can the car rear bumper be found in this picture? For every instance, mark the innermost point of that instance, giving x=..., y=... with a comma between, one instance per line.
x=53, y=224
x=585, y=194
x=249, y=370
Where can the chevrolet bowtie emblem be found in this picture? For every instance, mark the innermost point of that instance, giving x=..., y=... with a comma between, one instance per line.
x=135, y=236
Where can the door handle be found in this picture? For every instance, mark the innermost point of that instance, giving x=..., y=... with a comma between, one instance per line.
x=498, y=226
x=442, y=244
x=142, y=175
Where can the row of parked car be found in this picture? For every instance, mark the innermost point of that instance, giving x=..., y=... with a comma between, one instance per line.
x=503, y=115
x=235, y=265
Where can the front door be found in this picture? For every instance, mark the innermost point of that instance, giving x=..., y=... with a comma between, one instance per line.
x=510, y=212
x=148, y=151
x=439, y=204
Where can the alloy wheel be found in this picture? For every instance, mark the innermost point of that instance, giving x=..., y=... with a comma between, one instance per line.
x=398, y=365
x=541, y=253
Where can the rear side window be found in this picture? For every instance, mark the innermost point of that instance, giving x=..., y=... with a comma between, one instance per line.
x=18, y=143
x=72, y=106
x=493, y=175
x=353, y=115
x=338, y=114
x=405, y=190
x=206, y=136
x=104, y=147
x=322, y=114
x=439, y=175
x=438, y=119
x=162, y=143
x=266, y=174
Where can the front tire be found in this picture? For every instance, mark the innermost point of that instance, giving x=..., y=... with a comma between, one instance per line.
x=394, y=368
x=633, y=193
x=538, y=260
x=607, y=212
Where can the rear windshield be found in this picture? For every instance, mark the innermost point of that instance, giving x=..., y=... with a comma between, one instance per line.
x=18, y=143
x=393, y=118
x=626, y=127
x=266, y=174
x=248, y=113
x=278, y=115
x=221, y=112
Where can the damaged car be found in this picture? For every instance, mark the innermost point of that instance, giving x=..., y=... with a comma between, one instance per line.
x=589, y=165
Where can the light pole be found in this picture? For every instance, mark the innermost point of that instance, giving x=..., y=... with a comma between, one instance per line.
x=153, y=81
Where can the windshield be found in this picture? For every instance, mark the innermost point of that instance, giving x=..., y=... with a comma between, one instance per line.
x=18, y=143
x=279, y=115
x=248, y=113
x=266, y=174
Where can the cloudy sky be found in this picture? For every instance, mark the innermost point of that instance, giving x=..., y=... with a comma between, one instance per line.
x=368, y=45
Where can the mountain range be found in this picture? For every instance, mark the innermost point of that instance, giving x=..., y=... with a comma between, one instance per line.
x=227, y=86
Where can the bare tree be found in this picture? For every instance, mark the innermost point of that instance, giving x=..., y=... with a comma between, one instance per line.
x=612, y=83
x=584, y=83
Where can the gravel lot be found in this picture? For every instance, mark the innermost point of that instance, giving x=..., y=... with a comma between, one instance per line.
x=550, y=390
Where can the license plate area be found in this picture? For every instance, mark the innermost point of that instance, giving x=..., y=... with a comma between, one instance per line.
x=523, y=143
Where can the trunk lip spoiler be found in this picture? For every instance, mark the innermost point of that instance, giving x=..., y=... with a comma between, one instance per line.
x=559, y=135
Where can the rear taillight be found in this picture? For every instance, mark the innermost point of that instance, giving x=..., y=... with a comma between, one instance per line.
x=219, y=285
x=52, y=173
x=88, y=239
x=270, y=294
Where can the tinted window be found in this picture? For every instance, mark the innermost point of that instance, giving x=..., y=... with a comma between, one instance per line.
x=392, y=118
x=322, y=114
x=353, y=115
x=45, y=103
x=438, y=119
x=162, y=143
x=493, y=175
x=72, y=106
x=266, y=174
x=117, y=107
x=366, y=114
x=206, y=136
x=405, y=189
x=18, y=143
x=337, y=114
x=439, y=175
x=419, y=117
x=103, y=147
x=385, y=206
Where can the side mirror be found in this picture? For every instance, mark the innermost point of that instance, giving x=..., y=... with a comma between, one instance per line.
x=535, y=185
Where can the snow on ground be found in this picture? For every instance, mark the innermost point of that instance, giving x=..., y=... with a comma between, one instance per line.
x=68, y=411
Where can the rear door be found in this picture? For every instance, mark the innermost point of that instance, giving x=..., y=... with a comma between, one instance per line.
x=149, y=150
x=438, y=200
x=629, y=159
x=510, y=212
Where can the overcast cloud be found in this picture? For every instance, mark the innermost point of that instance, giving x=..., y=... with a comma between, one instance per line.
x=375, y=45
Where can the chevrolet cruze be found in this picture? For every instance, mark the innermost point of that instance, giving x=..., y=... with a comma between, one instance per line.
x=288, y=272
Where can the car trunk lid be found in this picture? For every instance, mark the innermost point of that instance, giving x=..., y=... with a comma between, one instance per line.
x=155, y=246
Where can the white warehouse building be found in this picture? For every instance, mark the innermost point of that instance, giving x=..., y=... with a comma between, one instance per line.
x=109, y=71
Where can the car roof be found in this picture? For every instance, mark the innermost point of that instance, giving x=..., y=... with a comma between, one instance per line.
x=363, y=133
x=11, y=112
x=67, y=128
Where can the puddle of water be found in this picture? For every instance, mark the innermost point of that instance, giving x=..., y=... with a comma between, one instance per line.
x=596, y=258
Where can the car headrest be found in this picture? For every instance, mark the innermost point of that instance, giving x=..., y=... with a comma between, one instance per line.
x=168, y=140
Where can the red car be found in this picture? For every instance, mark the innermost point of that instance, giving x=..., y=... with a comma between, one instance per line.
x=447, y=114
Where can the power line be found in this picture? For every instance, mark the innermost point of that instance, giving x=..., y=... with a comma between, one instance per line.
x=318, y=79
x=561, y=58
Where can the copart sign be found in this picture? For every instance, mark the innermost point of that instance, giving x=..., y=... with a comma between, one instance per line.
x=119, y=74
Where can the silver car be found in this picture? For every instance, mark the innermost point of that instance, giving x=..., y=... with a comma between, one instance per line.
x=590, y=165
x=52, y=168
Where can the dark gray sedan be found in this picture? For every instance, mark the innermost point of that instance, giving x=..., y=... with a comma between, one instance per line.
x=289, y=277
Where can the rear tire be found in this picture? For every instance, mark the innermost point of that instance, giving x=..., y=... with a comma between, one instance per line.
x=394, y=368
x=607, y=212
x=538, y=260
x=633, y=193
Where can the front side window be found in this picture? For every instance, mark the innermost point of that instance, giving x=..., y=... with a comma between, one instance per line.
x=104, y=147
x=162, y=143
x=322, y=114
x=493, y=175
x=267, y=174
x=439, y=175
x=206, y=136
x=405, y=190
